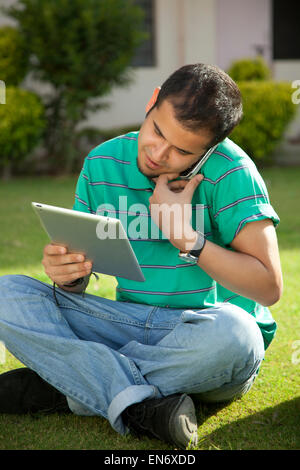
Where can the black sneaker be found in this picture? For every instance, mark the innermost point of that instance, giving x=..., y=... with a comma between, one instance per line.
x=24, y=391
x=171, y=419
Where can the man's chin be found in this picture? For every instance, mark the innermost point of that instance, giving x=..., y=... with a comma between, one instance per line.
x=150, y=173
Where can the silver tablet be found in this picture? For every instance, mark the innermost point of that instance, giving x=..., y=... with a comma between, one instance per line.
x=102, y=239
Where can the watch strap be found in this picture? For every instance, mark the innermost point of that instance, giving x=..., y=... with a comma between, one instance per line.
x=198, y=247
x=75, y=283
x=193, y=255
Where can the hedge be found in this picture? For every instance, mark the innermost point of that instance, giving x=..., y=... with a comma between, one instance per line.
x=268, y=109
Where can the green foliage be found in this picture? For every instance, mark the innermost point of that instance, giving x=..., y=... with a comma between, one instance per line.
x=268, y=109
x=83, y=49
x=80, y=45
x=249, y=69
x=13, y=56
x=21, y=125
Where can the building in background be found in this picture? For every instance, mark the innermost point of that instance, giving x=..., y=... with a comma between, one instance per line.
x=210, y=31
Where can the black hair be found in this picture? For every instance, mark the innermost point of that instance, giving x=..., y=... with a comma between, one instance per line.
x=203, y=97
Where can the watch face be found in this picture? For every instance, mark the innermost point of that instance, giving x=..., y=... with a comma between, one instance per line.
x=188, y=258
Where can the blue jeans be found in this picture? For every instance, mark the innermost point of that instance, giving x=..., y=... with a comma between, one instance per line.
x=105, y=355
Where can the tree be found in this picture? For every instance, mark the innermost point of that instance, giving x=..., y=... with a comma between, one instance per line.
x=13, y=56
x=82, y=48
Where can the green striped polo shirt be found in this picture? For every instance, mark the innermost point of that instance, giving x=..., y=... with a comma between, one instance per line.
x=231, y=195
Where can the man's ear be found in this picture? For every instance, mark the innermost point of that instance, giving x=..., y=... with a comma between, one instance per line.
x=153, y=99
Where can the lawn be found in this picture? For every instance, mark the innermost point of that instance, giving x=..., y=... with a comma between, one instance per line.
x=268, y=417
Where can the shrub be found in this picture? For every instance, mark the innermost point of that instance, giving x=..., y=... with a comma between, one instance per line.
x=21, y=126
x=13, y=56
x=268, y=109
x=249, y=69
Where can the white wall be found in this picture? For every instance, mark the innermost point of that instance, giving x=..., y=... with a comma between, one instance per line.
x=200, y=31
x=241, y=26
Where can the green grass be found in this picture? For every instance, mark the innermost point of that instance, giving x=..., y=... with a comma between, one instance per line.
x=268, y=417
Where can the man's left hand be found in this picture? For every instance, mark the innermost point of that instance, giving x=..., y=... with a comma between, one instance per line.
x=170, y=209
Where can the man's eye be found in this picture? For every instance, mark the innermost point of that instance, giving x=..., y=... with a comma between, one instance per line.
x=182, y=152
x=157, y=131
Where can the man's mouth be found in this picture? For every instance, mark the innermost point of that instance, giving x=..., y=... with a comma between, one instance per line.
x=150, y=163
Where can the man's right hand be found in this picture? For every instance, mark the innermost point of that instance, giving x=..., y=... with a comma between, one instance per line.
x=63, y=267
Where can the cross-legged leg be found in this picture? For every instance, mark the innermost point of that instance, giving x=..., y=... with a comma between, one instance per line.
x=106, y=356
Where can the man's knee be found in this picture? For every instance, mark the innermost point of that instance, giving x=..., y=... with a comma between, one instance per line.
x=227, y=330
x=240, y=336
x=18, y=285
x=9, y=282
x=240, y=355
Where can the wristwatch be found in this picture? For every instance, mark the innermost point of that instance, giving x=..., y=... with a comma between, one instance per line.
x=193, y=255
x=75, y=283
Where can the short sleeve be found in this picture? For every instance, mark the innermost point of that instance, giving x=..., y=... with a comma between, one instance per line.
x=240, y=197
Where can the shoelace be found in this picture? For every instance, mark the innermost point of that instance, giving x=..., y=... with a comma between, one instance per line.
x=136, y=419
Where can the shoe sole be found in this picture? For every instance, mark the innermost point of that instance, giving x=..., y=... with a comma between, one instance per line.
x=183, y=423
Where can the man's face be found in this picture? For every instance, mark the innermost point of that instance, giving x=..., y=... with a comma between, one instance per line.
x=164, y=146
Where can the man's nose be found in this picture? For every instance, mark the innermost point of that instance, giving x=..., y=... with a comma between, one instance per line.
x=160, y=152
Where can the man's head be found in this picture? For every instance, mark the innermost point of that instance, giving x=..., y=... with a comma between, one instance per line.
x=197, y=106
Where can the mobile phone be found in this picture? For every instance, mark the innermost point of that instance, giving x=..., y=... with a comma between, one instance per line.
x=192, y=171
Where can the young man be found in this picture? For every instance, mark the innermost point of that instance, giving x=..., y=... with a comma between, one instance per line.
x=199, y=325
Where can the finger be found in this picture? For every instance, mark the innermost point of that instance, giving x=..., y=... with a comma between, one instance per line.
x=68, y=273
x=192, y=184
x=178, y=184
x=166, y=177
x=61, y=260
x=54, y=249
x=67, y=279
x=73, y=268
